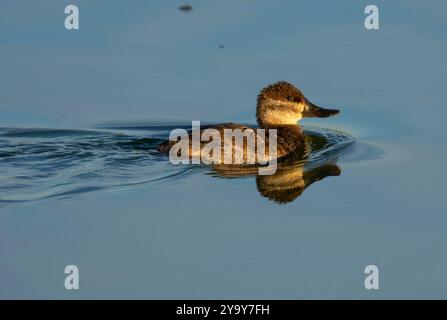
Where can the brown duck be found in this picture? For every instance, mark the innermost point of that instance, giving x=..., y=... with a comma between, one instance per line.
x=279, y=106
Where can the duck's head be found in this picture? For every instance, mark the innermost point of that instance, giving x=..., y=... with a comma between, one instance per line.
x=282, y=104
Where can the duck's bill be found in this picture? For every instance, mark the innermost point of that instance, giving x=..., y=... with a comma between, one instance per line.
x=313, y=111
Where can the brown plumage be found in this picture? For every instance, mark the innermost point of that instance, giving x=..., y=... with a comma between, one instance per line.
x=281, y=91
x=289, y=138
x=279, y=106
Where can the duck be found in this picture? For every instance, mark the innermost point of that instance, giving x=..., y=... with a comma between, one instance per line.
x=280, y=106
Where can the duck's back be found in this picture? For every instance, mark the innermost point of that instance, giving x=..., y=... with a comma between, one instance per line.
x=166, y=145
x=289, y=139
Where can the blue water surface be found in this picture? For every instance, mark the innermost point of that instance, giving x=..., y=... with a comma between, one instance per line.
x=79, y=185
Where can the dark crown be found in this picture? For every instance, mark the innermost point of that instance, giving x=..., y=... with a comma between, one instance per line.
x=281, y=91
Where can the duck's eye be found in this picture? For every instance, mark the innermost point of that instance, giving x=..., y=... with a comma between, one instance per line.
x=290, y=98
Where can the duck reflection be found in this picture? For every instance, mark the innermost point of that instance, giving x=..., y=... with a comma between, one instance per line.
x=293, y=175
x=288, y=183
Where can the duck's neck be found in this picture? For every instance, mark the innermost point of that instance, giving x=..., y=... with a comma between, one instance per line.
x=283, y=129
x=289, y=137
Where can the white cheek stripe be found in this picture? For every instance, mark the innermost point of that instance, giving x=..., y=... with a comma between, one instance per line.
x=272, y=113
x=281, y=117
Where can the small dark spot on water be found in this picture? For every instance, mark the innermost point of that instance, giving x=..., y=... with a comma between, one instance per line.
x=185, y=8
x=221, y=46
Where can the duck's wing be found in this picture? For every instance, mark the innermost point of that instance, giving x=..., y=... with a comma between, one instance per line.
x=166, y=145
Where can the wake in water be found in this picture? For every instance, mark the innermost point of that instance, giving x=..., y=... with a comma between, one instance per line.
x=40, y=163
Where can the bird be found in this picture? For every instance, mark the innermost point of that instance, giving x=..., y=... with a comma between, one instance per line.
x=279, y=107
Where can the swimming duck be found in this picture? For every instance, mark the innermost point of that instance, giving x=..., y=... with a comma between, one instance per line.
x=279, y=106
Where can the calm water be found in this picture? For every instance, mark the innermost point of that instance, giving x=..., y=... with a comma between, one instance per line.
x=100, y=197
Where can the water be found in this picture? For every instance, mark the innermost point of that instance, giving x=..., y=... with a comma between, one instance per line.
x=44, y=163
x=99, y=197
x=55, y=163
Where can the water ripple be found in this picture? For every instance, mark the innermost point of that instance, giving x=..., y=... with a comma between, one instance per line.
x=43, y=163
